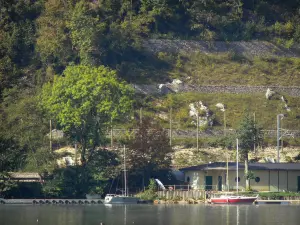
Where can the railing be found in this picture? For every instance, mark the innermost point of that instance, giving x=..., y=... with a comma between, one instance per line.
x=191, y=187
x=182, y=194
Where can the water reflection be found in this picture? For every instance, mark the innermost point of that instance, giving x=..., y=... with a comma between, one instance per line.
x=150, y=214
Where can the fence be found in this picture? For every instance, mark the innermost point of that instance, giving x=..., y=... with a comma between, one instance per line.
x=190, y=187
x=183, y=194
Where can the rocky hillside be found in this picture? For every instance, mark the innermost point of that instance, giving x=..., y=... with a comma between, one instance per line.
x=189, y=157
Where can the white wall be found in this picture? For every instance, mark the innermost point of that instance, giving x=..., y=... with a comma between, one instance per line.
x=288, y=181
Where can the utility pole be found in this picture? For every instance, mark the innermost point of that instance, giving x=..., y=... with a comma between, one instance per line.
x=254, y=136
x=279, y=117
x=237, y=165
x=50, y=136
x=171, y=126
x=224, y=123
x=111, y=133
x=197, y=131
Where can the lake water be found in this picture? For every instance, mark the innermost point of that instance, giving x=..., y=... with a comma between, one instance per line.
x=150, y=214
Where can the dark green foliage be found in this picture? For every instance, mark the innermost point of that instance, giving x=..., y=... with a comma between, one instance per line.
x=76, y=181
x=278, y=195
x=150, y=192
x=248, y=134
x=6, y=185
x=12, y=157
x=149, y=153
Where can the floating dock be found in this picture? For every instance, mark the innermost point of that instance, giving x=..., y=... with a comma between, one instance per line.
x=279, y=202
x=52, y=201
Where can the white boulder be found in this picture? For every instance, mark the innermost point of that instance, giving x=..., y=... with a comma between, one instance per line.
x=269, y=93
x=221, y=106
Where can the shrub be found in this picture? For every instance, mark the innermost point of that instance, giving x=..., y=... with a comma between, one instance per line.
x=150, y=192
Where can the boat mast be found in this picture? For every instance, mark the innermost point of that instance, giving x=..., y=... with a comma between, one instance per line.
x=237, y=165
x=227, y=181
x=125, y=180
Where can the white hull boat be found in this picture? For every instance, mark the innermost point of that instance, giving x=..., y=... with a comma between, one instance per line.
x=123, y=198
x=120, y=199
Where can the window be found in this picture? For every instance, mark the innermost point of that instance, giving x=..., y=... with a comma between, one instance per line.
x=257, y=179
x=238, y=179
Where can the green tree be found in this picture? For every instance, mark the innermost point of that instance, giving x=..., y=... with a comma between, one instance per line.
x=23, y=135
x=53, y=40
x=17, y=40
x=213, y=19
x=249, y=135
x=86, y=31
x=83, y=101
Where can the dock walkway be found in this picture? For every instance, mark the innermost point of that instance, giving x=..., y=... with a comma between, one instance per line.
x=52, y=201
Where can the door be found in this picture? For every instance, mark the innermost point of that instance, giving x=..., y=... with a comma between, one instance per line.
x=208, y=182
x=298, y=189
x=219, y=183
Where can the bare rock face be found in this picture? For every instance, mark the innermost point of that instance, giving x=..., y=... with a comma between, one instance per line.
x=203, y=112
x=270, y=93
x=283, y=99
x=221, y=106
x=287, y=108
x=177, y=85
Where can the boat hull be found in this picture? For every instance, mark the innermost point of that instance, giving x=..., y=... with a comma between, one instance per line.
x=121, y=200
x=237, y=200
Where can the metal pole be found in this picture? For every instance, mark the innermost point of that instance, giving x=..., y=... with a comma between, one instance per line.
x=254, y=136
x=125, y=180
x=171, y=126
x=224, y=123
x=278, y=136
x=197, y=132
x=237, y=165
x=50, y=135
x=227, y=181
x=111, y=133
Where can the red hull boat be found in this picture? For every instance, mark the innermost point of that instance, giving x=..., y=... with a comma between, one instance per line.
x=233, y=200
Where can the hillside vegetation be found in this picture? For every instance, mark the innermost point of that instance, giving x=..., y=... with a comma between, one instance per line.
x=43, y=43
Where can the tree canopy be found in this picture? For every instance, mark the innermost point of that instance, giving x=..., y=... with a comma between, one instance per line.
x=249, y=135
x=149, y=150
x=84, y=100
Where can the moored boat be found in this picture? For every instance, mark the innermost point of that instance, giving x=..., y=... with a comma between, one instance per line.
x=120, y=199
x=123, y=198
x=233, y=200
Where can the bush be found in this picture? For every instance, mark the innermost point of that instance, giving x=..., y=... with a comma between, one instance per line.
x=150, y=192
x=277, y=195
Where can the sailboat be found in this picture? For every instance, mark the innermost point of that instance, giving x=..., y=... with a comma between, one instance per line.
x=234, y=199
x=123, y=198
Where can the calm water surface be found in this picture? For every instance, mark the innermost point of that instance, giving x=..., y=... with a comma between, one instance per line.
x=150, y=214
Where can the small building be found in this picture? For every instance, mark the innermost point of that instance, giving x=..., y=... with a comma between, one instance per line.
x=25, y=177
x=267, y=176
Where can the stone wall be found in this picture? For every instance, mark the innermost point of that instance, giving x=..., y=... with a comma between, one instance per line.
x=247, y=48
x=153, y=89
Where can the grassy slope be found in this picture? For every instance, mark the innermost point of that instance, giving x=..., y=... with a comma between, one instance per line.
x=230, y=69
x=233, y=69
x=237, y=104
